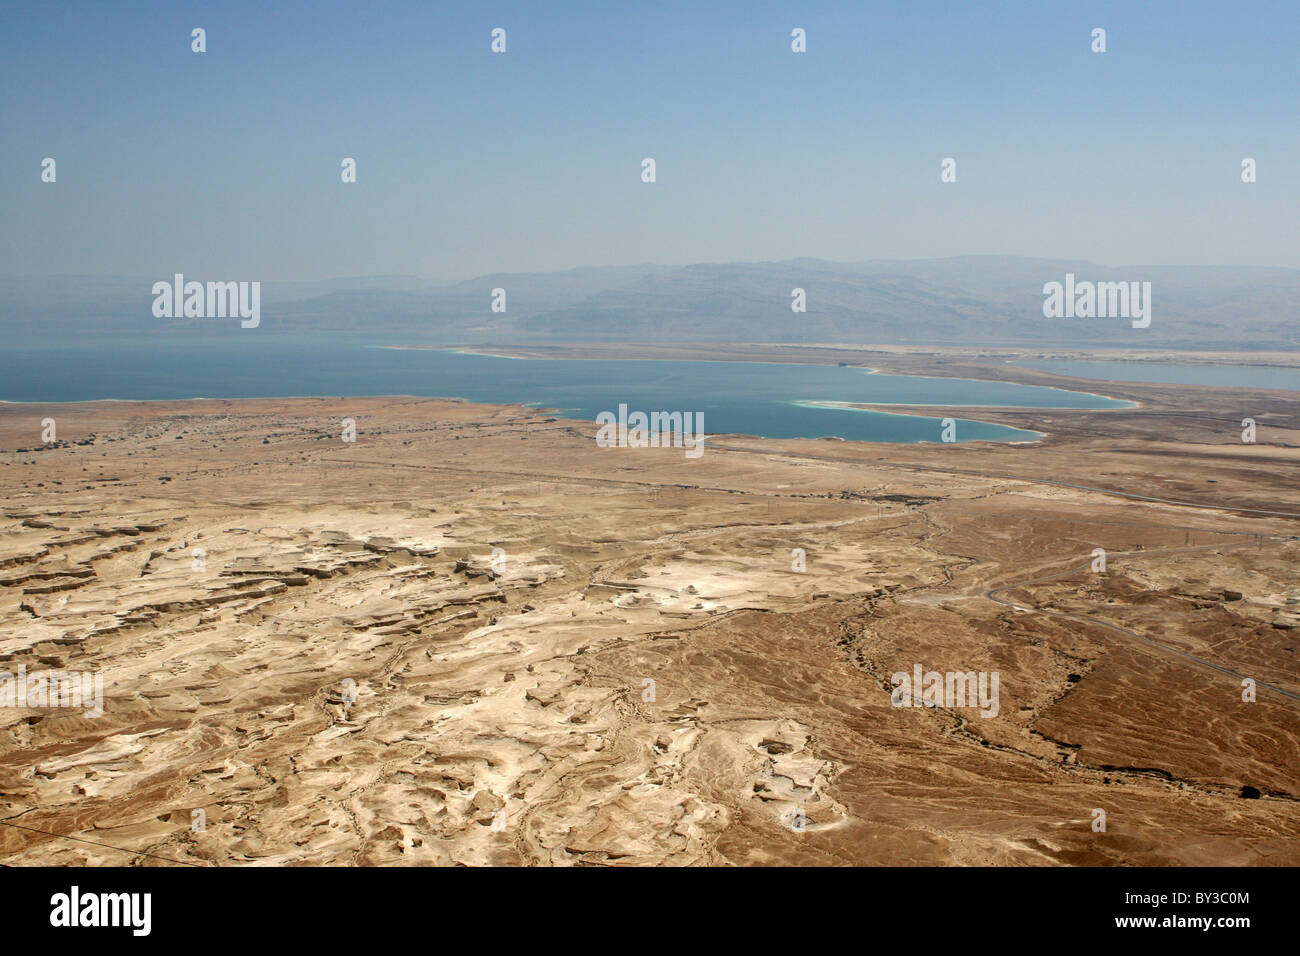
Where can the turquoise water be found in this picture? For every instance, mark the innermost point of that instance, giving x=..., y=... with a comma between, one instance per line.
x=750, y=398
x=1234, y=376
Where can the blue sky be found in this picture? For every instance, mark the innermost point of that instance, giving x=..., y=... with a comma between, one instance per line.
x=226, y=164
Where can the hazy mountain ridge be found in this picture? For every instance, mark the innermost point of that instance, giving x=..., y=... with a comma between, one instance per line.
x=956, y=301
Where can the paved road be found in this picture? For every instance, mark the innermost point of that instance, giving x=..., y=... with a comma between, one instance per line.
x=995, y=595
x=1001, y=477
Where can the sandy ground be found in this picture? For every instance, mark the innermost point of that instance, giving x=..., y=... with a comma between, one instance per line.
x=472, y=636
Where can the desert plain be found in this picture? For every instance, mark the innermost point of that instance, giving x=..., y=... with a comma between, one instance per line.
x=471, y=636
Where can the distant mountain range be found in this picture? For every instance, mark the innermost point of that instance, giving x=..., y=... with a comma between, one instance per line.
x=968, y=300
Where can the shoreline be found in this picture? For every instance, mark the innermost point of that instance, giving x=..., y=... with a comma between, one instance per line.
x=870, y=370
x=1057, y=380
x=556, y=412
x=1155, y=410
x=879, y=410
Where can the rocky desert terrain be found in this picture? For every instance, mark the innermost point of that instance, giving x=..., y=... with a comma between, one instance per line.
x=471, y=636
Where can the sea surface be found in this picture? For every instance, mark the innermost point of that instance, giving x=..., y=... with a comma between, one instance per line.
x=1233, y=376
x=765, y=399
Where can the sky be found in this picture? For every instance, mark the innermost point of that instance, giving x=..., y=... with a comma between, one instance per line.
x=226, y=164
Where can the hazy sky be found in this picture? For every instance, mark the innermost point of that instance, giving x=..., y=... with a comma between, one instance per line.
x=226, y=164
